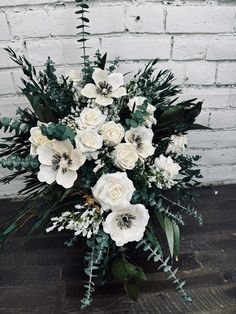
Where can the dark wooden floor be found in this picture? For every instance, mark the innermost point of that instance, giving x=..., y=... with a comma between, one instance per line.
x=43, y=276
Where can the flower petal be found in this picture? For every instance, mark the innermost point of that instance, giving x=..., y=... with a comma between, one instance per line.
x=116, y=80
x=45, y=154
x=89, y=91
x=78, y=159
x=63, y=146
x=99, y=75
x=119, y=92
x=66, y=179
x=103, y=101
x=46, y=174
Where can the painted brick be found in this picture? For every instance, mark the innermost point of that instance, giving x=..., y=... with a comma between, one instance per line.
x=29, y=23
x=221, y=48
x=40, y=50
x=213, y=156
x=145, y=18
x=6, y=86
x=128, y=47
x=8, y=105
x=5, y=33
x=212, y=97
x=189, y=47
x=226, y=73
x=212, y=138
x=200, y=73
x=218, y=174
x=222, y=119
x=201, y=19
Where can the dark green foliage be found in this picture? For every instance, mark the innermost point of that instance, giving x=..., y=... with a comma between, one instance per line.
x=29, y=163
x=58, y=132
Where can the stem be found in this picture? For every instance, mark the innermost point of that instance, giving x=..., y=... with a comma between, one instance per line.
x=185, y=296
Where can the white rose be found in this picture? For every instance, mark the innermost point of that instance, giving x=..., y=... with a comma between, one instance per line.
x=133, y=105
x=177, y=145
x=112, y=133
x=113, y=189
x=90, y=118
x=125, y=156
x=36, y=139
x=89, y=142
x=167, y=165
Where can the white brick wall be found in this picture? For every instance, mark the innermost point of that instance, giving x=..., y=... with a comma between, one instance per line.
x=195, y=39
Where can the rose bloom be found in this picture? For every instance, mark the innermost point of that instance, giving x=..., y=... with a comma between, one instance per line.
x=137, y=101
x=167, y=165
x=89, y=142
x=125, y=156
x=177, y=145
x=112, y=133
x=113, y=189
x=90, y=118
x=36, y=139
x=127, y=223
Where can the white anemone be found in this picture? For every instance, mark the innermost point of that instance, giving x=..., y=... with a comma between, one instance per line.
x=127, y=223
x=141, y=137
x=59, y=162
x=106, y=87
x=177, y=145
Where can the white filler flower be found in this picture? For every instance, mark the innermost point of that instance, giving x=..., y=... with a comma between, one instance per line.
x=113, y=189
x=127, y=223
x=141, y=138
x=106, y=87
x=137, y=101
x=89, y=142
x=36, y=139
x=59, y=162
x=90, y=118
x=177, y=145
x=112, y=133
x=167, y=165
x=125, y=156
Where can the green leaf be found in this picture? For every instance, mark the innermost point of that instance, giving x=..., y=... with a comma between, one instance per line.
x=132, y=288
x=169, y=234
x=176, y=240
x=123, y=270
x=11, y=228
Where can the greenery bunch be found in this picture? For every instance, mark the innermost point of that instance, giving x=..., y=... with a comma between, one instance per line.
x=53, y=122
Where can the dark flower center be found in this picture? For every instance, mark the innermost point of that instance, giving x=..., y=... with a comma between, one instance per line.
x=137, y=140
x=104, y=88
x=61, y=161
x=125, y=221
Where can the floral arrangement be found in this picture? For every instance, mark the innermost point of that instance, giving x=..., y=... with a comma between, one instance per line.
x=104, y=160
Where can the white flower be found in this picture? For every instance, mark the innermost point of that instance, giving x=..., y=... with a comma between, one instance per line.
x=125, y=156
x=90, y=118
x=113, y=189
x=36, y=139
x=167, y=165
x=127, y=223
x=106, y=87
x=89, y=142
x=177, y=145
x=141, y=137
x=75, y=76
x=112, y=133
x=135, y=102
x=59, y=162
